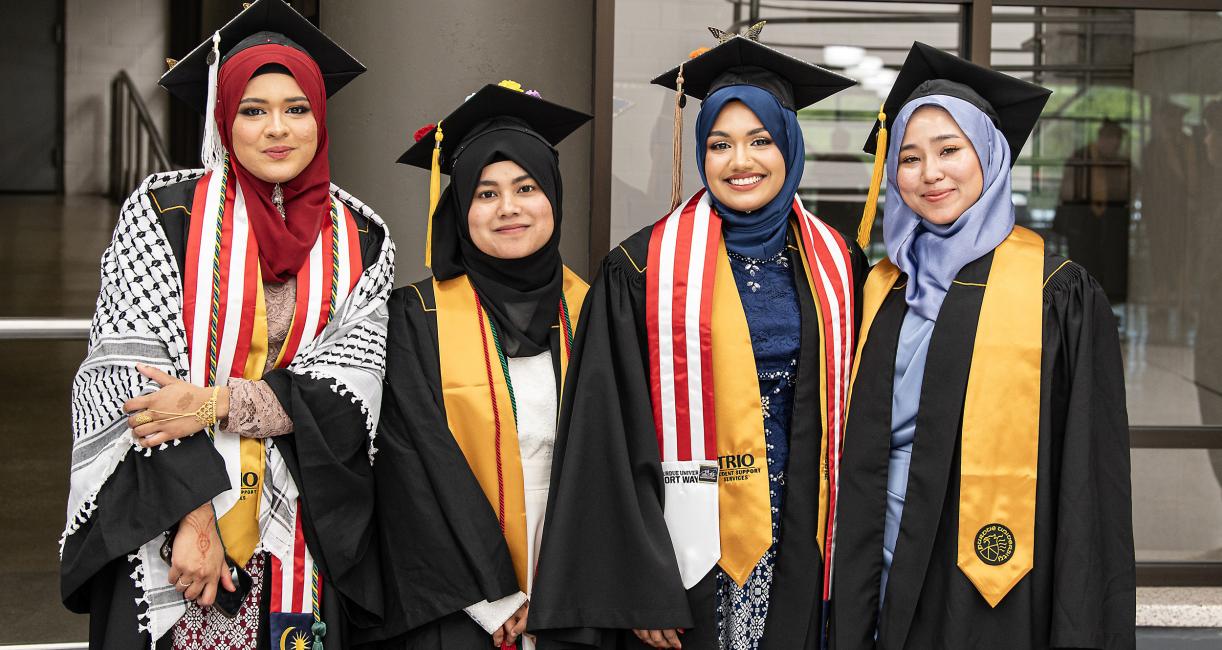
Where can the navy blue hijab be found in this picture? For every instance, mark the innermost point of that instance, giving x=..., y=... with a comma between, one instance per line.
x=759, y=233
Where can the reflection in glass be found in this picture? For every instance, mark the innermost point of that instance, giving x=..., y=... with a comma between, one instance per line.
x=1092, y=215
x=1177, y=515
x=1122, y=176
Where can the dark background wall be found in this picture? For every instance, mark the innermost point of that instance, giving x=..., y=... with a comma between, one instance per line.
x=423, y=59
x=30, y=36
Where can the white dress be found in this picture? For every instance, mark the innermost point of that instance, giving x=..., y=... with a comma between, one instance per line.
x=534, y=389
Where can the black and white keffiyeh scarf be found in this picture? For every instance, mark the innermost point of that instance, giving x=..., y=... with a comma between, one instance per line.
x=139, y=319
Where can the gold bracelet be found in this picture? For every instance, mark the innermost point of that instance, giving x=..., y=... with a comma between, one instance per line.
x=205, y=415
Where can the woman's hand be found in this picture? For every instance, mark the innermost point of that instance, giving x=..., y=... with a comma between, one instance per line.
x=668, y=638
x=165, y=407
x=198, y=560
x=513, y=626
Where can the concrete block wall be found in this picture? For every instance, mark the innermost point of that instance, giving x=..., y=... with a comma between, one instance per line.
x=102, y=38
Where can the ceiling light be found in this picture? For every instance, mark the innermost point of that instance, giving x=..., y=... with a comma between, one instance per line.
x=843, y=56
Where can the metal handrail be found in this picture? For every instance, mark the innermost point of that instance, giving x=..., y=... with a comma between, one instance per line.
x=63, y=329
x=79, y=645
x=136, y=147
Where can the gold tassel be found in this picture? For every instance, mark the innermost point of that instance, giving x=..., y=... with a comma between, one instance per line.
x=876, y=181
x=676, y=145
x=434, y=194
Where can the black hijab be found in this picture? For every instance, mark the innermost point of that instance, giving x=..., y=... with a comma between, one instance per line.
x=523, y=295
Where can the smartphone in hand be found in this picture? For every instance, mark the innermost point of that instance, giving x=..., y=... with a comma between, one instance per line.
x=229, y=602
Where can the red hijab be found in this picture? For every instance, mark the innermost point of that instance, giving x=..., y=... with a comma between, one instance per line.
x=284, y=244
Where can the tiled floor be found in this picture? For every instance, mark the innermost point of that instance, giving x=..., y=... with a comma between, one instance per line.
x=35, y=380
x=50, y=251
x=49, y=259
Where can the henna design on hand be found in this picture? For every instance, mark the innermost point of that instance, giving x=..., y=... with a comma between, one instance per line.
x=202, y=524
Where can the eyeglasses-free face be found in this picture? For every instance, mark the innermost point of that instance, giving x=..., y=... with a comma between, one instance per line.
x=510, y=216
x=742, y=164
x=274, y=134
x=938, y=172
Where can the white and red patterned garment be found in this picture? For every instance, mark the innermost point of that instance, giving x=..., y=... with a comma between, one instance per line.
x=253, y=412
x=206, y=628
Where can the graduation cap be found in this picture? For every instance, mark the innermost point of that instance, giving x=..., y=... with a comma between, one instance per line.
x=740, y=59
x=264, y=21
x=1012, y=104
x=549, y=120
x=438, y=145
x=193, y=79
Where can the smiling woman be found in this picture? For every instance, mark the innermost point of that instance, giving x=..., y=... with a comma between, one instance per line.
x=477, y=356
x=509, y=217
x=987, y=440
x=743, y=167
x=752, y=162
x=240, y=304
x=274, y=135
x=693, y=505
x=939, y=174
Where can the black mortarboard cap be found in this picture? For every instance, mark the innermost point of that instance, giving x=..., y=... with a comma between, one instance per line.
x=743, y=61
x=551, y=121
x=264, y=21
x=1014, y=105
x=535, y=115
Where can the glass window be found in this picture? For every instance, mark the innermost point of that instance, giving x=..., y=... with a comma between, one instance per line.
x=1122, y=176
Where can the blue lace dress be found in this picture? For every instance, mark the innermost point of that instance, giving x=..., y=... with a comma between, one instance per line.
x=770, y=300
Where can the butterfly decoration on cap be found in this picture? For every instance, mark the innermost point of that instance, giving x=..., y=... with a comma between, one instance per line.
x=751, y=33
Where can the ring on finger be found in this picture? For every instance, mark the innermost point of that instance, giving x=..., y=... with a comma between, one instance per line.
x=187, y=584
x=142, y=418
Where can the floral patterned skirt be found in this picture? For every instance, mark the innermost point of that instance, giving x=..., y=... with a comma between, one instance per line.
x=742, y=611
x=206, y=628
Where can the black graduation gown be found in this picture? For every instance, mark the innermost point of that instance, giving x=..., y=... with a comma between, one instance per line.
x=1080, y=592
x=606, y=564
x=146, y=496
x=442, y=547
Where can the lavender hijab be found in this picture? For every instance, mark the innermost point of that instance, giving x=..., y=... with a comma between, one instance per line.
x=933, y=255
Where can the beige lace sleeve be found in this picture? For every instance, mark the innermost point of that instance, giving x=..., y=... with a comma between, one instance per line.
x=254, y=411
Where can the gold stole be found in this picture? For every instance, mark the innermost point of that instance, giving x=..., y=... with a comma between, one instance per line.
x=744, y=509
x=743, y=493
x=1001, y=414
x=474, y=409
x=240, y=526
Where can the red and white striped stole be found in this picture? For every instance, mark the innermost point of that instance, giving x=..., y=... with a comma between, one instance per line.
x=226, y=322
x=829, y=272
x=680, y=273
x=685, y=252
x=294, y=580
